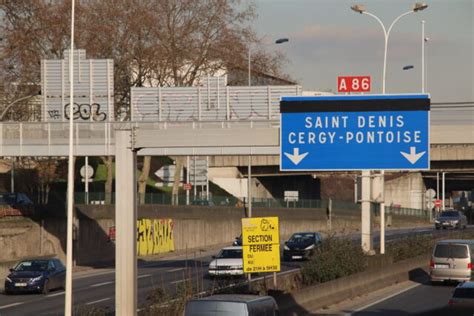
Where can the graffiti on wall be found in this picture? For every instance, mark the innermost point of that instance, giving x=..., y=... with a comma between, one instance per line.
x=154, y=236
x=84, y=112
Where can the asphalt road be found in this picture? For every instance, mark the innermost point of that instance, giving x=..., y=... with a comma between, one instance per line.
x=96, y=288
x=423, y=299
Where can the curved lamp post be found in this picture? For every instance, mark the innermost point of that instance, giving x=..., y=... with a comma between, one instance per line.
x=359, y=8
x=278, y=41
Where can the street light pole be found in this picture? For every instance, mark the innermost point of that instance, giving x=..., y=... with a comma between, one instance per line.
x=422, y=56
x=70, y=178
x=361, y=9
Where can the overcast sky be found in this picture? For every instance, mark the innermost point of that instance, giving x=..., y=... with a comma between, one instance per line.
x=328, y=39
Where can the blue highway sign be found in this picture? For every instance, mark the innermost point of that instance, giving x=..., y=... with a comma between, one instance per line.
x=355, y=132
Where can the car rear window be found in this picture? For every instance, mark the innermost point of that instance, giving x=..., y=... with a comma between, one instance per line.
x=451, y=251
x=464, y=293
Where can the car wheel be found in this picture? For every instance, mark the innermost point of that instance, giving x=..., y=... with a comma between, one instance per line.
x=45, y=287
x=444, y=227
x=7, y=292
x=437, y=228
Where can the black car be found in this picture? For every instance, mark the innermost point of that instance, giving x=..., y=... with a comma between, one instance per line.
x=451, y=219
x=301, y=246
x=36, y=275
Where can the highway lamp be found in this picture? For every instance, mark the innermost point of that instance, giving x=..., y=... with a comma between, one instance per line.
x=278, y=41
x=359, y=8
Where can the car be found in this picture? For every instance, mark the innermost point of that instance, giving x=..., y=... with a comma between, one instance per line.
x=462, y=299
x=232, y=304
x=237, y=241
x=451, y=219
x=301, y=245
x=229, y=262
x=36, y=275
x=452, y=260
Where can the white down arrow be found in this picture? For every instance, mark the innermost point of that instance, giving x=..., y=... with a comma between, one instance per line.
x=413, y=157
x=296, y=157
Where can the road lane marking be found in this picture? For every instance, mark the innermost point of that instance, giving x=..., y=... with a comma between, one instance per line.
x=387, y=297
x=10, y=305
x=179, y=281
x=144, y=276
x=98, y=301
x=55, y=294
x=177, y=269
x=101, y=284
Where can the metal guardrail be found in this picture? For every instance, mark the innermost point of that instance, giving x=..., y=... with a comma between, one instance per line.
x=214, y=201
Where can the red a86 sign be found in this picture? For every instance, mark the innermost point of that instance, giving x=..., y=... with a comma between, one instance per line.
x=353, y=84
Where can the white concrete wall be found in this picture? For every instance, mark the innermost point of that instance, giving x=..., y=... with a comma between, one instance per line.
x=406, y=191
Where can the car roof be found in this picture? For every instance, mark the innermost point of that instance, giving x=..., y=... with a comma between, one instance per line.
x=304, y=233
x=245, y=298
x=455, y=241
x=232, y=248
x=464, y=285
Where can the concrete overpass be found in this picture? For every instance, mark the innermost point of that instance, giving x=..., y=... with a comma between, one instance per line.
x=449, y=143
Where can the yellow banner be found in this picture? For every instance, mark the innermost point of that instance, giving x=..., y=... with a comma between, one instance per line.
x=261, y=244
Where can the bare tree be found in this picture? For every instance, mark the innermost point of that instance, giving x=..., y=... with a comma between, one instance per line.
x=152, y=42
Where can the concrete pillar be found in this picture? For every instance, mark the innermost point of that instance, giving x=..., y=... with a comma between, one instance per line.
x=366, y=238
x=125, y=224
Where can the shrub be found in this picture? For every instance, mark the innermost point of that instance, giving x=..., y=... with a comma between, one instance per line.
x=337, y=257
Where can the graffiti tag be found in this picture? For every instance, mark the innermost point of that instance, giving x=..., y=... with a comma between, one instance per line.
x=154, y=236
x=85, y=112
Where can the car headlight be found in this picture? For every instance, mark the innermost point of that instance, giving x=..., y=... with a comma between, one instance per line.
x=455, y=221
x=286, y=247
x=309, y=247
x=436, y=221
x=8, y=279
x=37, y=278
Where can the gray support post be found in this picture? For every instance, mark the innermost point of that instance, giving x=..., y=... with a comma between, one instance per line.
x=366, y=238
x=125, y=223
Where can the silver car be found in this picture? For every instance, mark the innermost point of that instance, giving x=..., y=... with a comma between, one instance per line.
x=462, y=299
x=451, y=219
x=452, y=261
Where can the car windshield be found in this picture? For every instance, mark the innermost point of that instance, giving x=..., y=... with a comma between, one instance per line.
x=230, y=253
x=301, y=238
x=451, y=251
x=32, y=265
x=449, y=214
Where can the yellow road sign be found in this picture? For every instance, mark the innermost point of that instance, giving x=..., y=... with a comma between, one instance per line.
x=261, y=244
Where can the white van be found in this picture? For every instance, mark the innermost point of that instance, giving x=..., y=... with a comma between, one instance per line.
x=232, y=305
x=452, y=260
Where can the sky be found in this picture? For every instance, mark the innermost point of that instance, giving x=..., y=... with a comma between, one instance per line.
x=327, y=39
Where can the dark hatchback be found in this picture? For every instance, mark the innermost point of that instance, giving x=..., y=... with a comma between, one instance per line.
x=36, y=275
x=451, y=219
x=301, y=246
